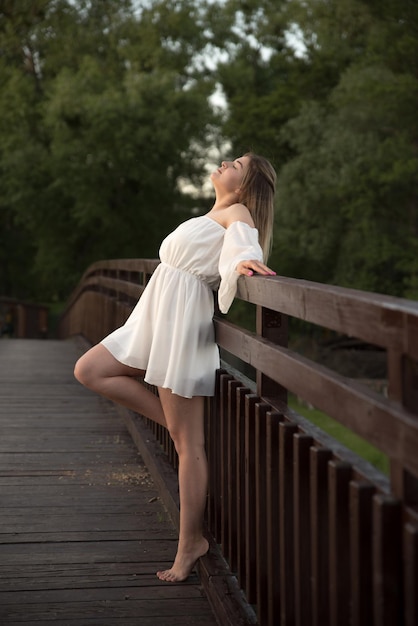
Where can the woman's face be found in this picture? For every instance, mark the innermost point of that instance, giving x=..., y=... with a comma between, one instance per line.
x=229, y=175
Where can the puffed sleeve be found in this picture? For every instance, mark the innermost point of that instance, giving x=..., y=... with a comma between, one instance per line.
x=240, y=244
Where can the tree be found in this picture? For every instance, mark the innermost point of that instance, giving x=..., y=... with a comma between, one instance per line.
x=349, y=202
x=107, y=115
x=336, y=113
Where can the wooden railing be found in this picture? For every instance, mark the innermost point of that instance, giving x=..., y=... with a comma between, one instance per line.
x=315, y=535
x=23, y=320
x=105, y=296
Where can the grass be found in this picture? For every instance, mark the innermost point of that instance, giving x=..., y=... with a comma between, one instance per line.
x=345, y=436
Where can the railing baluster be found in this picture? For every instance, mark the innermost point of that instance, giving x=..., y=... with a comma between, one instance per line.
x=233, y=519
x=320, y=535
x=387, y=563
x=361, y=504
x=302, y=507
x=273, y=517
x=287, y=562
x=250, y=499
x=261, y=540
x=339, y=538
x=242, y=392
x=224, y=419
x=410, y=553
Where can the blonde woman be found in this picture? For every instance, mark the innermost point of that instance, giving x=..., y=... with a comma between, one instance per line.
x=169, y=341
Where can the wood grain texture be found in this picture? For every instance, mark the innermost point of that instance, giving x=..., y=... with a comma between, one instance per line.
x=82, y=527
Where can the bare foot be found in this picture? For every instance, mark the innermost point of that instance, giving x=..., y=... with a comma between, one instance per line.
x=184, y=563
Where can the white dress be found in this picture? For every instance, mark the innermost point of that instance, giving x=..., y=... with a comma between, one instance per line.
x=170, y=332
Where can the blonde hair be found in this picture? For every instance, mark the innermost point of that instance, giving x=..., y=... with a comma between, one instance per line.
x=257, y=191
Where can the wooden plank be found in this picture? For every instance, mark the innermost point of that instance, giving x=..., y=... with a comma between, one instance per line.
x=78, y=575
x=387, y=561
x=190, y=609
x=82, y=500
x=273, y=326
x=123, y=621
x=224, y=443
x=215, y=472
x=116, y=487
x=67, y=575
x=70, y=595
x=233, y=520
x=361, y=505
x=339, y=540
x=242, y=392
x=82, y=552
x=273, y=517
x=261, y=541
x=320, y=458
x=250, y=499
x=62, y=521
x=64, y=461
x=82, y=528
x=287, y=563
x=137, y=534
x=87, y=509
x=131, y=474
x=411, y=574
x=302, y=536
x=209, y=445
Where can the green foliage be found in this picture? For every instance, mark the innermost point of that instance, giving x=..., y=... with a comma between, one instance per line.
x=105, y=113
x=352, y=185
x=337, y=114
x=101, y=113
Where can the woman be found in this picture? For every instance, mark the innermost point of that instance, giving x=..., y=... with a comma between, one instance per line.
x=169, y=337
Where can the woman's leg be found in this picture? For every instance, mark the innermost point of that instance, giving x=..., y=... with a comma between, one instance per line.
x=184, y=418
x=98, y=370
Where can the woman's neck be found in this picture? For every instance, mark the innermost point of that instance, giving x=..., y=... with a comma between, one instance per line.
x=224, y=201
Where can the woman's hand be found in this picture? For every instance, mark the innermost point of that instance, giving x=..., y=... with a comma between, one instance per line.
x=248, y=268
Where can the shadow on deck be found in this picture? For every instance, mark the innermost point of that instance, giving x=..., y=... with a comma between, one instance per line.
x=83, y=529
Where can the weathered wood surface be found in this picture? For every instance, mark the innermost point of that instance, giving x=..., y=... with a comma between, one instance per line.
x=82, y=530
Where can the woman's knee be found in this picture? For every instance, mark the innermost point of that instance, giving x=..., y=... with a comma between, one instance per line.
x=84, y=371
x=186, y=444
x=79, y=370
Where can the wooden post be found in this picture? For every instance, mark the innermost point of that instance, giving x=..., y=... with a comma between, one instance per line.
x=402, y=387
x=273, y=326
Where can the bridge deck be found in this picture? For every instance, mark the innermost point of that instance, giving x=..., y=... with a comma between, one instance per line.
x=82, y=530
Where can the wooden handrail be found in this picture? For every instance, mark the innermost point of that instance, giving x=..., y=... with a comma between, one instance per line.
x=381, y=320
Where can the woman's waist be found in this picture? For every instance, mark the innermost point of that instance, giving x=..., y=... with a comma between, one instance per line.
x=190, y=273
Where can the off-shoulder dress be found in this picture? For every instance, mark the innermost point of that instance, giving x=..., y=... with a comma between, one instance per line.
x=170, y=332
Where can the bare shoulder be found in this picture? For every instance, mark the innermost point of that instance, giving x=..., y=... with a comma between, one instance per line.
x=238, y=213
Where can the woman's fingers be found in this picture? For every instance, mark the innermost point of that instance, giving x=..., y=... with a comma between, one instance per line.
x=249, y=267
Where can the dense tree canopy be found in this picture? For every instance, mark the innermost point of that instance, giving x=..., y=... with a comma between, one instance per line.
x=337, y=114
x=101, y=113
x=105, y=114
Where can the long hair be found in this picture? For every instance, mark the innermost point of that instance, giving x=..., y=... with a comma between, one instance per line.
x=257, y=191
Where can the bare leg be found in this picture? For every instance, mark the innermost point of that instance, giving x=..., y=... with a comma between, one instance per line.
x=98, y=370
x=185, y=423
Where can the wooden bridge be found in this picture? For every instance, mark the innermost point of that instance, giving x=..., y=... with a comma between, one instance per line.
x=303, y=532
x=82, y=527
